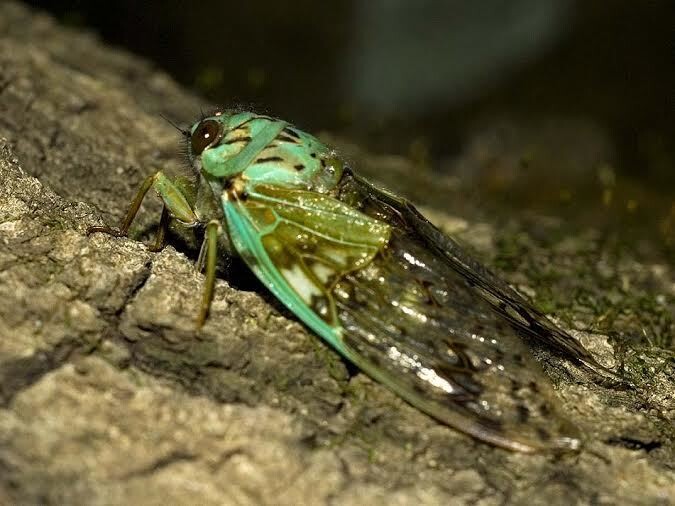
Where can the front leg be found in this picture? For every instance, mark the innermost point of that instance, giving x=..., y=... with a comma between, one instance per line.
x=176, y=205
x=208, y=256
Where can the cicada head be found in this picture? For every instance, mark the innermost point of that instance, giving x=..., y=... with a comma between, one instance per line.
x=227, y=144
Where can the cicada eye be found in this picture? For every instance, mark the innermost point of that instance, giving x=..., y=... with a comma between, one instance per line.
x=207, y=133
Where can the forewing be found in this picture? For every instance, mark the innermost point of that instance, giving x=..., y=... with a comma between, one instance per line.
x=299, y=244
x=360, y=272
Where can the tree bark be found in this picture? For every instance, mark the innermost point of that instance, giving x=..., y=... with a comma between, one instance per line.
x=108, y=394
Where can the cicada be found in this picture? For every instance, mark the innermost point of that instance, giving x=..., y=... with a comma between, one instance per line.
x=363, y=269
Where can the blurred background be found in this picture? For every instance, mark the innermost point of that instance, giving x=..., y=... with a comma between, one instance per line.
x=558, y=106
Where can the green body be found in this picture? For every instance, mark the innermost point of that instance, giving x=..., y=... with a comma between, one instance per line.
x=273, y=186
x=366, y=272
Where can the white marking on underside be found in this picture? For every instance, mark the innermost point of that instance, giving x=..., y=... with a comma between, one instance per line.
x=302, y=284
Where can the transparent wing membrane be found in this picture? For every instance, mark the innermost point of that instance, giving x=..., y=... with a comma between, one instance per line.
x=405, y=304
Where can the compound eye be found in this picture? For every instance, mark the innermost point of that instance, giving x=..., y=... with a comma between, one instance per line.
x=207, y=133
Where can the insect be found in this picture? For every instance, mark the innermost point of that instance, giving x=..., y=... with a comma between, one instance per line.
x=364, y=270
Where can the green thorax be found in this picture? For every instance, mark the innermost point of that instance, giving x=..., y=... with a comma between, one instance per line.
x=263, y=150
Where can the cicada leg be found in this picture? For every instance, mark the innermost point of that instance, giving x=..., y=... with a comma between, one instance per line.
x=175, y=204
x=208, y=255
x=161, y=230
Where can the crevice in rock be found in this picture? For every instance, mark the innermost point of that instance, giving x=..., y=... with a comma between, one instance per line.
x=226, y=456
x=164, y=462
x=17, y=375
x=136, y=287
x=633, y=444
x=9, y=485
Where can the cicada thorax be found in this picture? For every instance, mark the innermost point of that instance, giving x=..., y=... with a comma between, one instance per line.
x=264, y=150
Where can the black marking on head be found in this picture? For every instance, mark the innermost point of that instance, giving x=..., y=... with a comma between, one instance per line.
x=291, y=132
x=235, y=127
x=269, y=159
x=299, y=166
x=287, y=138
x=244, y=138
x=313, y=155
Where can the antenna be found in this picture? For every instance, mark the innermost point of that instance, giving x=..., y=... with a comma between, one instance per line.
x=183, y=131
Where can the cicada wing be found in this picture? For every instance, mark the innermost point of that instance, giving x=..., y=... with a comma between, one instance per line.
x=438, y=344
x=400, y=213
x=298, y=243
x=400, y=310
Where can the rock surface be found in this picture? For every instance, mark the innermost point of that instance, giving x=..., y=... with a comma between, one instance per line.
x=108, y=394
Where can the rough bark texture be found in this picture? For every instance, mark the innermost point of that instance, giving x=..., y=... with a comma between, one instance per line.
x=108, y=395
